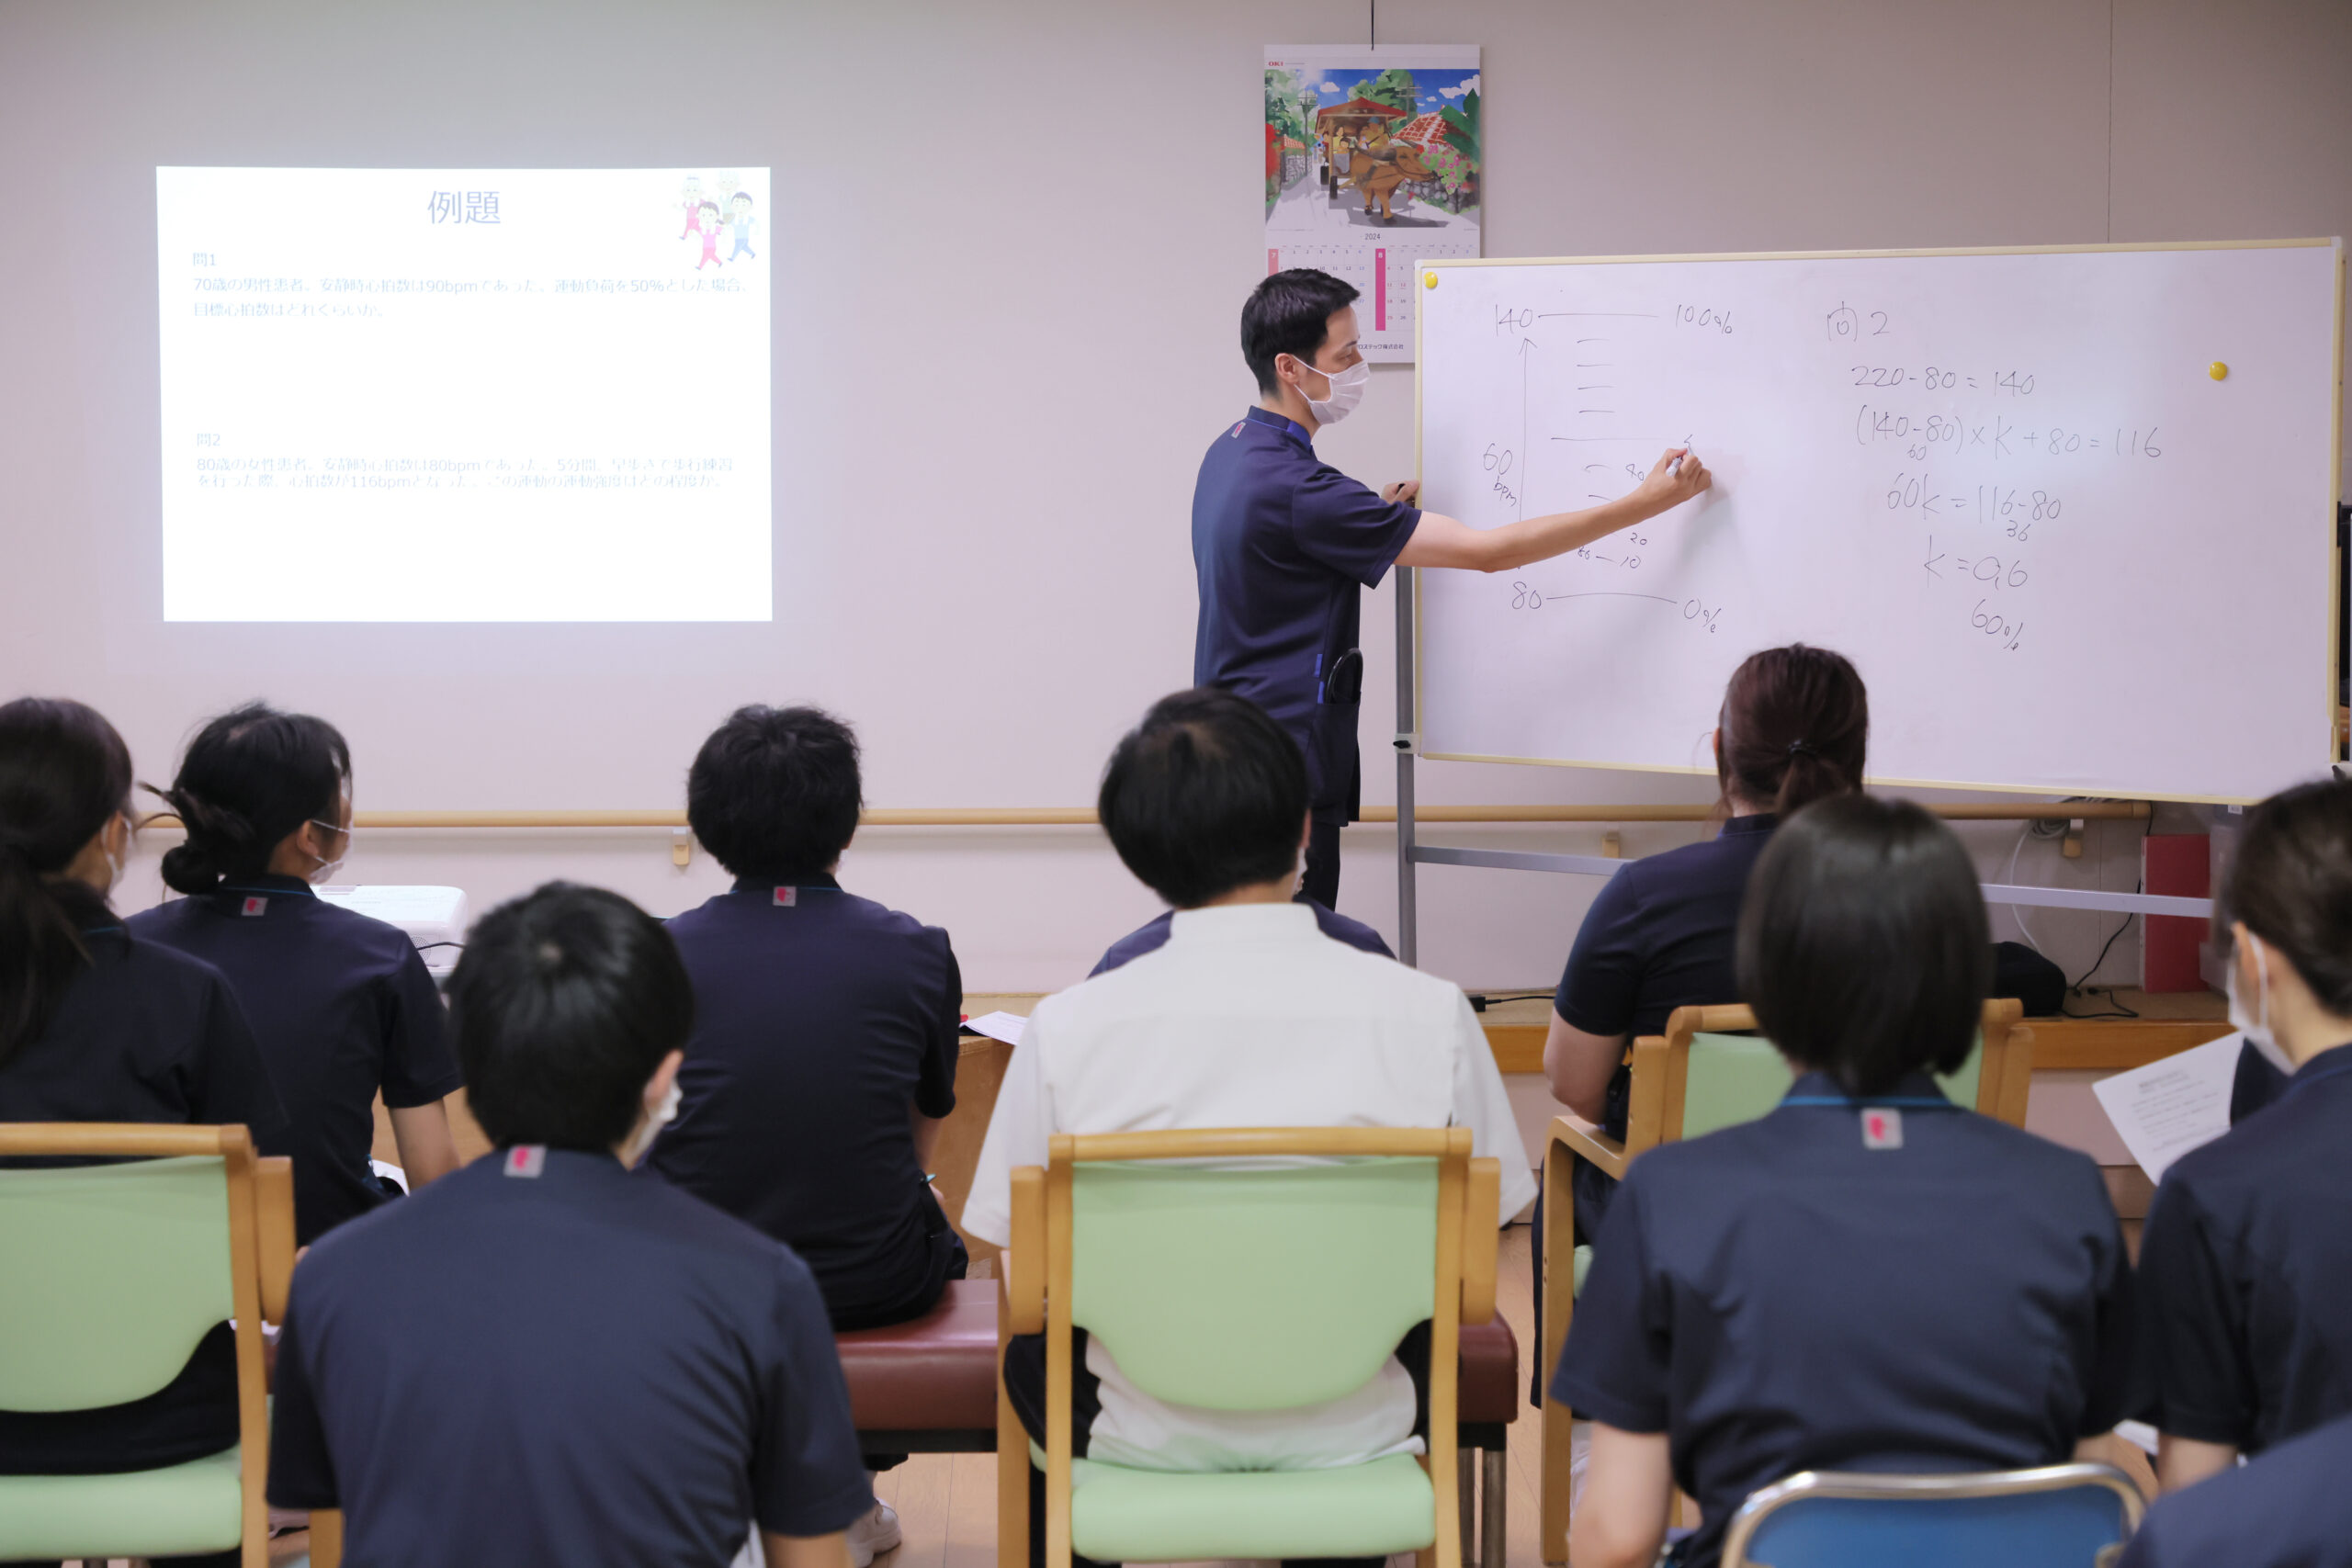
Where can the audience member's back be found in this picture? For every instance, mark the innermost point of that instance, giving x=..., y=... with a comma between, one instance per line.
x=341, y=1005
x=826, y=1028
x=1249, y=1016
x=2245, y=1266
x=96, y=1026
x=539, y=1359
x=1794, y=729
x=1870, y=1277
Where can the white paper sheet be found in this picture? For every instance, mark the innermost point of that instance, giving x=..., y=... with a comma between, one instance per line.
x=2167, y=1108
x=1004, y=1026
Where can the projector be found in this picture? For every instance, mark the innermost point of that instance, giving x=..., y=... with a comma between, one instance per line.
x=433, y=917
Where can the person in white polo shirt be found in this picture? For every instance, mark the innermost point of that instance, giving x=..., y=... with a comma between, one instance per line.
x=1249, y=1017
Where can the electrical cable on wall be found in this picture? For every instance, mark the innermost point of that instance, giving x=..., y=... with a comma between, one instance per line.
x=2138, y=885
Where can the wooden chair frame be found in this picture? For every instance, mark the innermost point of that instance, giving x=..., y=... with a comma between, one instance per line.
x=1654, y=1115
x=1035, y=1297
x=261, y=1260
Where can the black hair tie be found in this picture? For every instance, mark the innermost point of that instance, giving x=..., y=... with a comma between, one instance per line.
x=1802, y=748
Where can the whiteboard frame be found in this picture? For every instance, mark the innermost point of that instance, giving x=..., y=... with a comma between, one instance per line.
x=1429, y=269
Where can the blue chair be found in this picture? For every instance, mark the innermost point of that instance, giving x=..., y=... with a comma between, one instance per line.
x=2059, y=1515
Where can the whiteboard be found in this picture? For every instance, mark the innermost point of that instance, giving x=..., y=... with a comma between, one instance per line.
x=2064, y=556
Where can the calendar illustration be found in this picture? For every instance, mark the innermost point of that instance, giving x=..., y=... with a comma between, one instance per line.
x=1372, y=164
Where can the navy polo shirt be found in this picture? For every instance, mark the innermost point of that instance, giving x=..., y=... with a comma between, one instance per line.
x=1777, y=1297
x=2246, y=1271
x=2254, y=1084
x=1153, y=935
x=143, y=1034
x=2290, y=1509
x=1281, y=542
x=343, y=1007
x=820, y=1018
x=540, y=1359
x=1658, y=938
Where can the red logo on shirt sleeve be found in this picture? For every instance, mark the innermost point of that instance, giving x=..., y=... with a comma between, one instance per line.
x=256, y=906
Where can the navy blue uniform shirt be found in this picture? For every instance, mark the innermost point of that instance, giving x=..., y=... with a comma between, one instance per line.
x=1777, y=1297
x=820, y=1019
x=2289, y=1509
x=1281, y=542
x=2254, y=1084
x=1659, y=937
x=538, y=1359
x=1151, y=936
x=144, y=1034
x=2246, y=1270
x=343, y=1007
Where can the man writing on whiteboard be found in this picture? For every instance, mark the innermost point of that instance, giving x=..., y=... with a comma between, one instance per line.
x=1282, y=541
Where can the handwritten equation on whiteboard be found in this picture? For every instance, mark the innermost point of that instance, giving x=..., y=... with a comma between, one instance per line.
x=1954, y=435
x=2021, y=491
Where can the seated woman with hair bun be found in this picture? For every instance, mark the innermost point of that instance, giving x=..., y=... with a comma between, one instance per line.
x=1794, y=729
x=341, y=1004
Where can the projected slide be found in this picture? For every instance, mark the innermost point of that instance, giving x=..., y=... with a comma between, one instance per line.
x=465, y=395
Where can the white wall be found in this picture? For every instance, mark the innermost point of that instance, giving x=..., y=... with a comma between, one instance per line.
x=1025, y=231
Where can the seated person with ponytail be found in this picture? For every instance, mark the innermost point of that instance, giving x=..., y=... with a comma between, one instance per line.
x=1793, y=728
x=2245, y=1265
x=98, y=1026
x=1870, y=1277
x=342, y=1004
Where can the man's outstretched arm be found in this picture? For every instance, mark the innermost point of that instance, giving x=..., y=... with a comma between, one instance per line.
x=1440, y=540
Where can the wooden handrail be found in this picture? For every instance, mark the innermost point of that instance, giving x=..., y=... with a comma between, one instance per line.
x=1084, y=816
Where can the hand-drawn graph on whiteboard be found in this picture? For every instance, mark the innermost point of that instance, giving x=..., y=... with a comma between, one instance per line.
x=1372, y=165
x=2070, y=511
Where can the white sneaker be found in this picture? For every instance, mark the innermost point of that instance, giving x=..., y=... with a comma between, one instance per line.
x=875, y=1534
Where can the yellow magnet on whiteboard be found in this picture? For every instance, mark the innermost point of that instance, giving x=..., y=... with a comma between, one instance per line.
x=2217, y=371
x=1429, y=280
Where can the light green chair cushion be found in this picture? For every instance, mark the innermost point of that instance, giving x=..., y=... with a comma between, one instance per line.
x=184, y=1508
x=1738, y=1078
x=1253, y=1289
x=1117, y=1515
x=113, y=1273
x=1582, y=1266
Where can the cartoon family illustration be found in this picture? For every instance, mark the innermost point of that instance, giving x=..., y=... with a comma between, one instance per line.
x=729, y=217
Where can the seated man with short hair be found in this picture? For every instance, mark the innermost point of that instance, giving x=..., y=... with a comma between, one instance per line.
x=826, y=1028
x=1249, y=1017
x=537, y=1359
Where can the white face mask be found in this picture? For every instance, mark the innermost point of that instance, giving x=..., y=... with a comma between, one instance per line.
x=1347, y=392
x=2256, y=1027
x=327, y=868
x=116, y=864
x=661, y=1116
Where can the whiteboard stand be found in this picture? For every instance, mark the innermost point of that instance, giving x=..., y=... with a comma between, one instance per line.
x=1411, y=852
